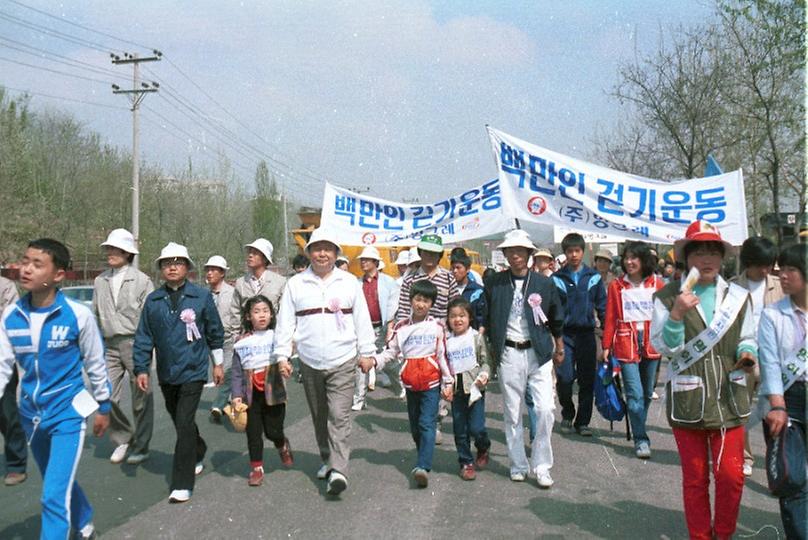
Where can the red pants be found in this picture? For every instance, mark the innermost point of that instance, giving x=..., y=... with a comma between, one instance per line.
x=695, y=448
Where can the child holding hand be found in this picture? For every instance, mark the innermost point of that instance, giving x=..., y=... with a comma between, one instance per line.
x=468, y=358
x=421, y=341
x=261, y=384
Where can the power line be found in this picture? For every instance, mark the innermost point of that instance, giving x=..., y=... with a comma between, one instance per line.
x=55, y=33
x=56, y=71
x=20, y=90
x=77, y=25
x=67, y=61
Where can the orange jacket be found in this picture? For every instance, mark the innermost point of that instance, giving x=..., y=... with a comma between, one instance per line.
x=620, y=336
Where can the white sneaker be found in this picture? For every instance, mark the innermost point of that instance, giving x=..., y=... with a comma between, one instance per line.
x=544, y=479
x=518, y=477
x=322, y=472
x=336, y=483
x=358, y=406
x=87, y=532
x=643, y=450
x=747, y=469
x=198, y=468
x=403, y=395
x=137, y=459
x=655, y=395
x=119, y=453
x=180, y=496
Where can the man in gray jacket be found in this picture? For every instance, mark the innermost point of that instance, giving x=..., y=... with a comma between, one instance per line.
x=16, y=448
x=118, y=297
x=215, y=270
x=258, y=280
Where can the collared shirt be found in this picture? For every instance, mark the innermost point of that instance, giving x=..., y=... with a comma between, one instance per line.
x=324, y=340
x=370, y=288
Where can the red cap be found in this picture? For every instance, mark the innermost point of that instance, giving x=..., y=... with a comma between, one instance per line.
x=699, y=231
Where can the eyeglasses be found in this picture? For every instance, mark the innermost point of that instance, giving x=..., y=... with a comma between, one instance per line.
x=176, y=261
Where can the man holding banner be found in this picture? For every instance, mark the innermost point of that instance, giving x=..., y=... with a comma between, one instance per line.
x=705, y=326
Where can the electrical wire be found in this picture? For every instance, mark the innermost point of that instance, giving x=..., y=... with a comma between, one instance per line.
x=56, y=71
x=67, y=61
x=30, y=92
x=57, y=34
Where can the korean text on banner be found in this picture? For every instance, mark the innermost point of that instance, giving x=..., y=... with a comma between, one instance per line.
x=363, y=220
x=543, y=186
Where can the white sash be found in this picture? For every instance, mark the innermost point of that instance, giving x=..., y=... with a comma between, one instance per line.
x=707, y=339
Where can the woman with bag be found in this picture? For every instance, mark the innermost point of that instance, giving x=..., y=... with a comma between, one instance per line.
x=705, y=327
x=627, y=336
x=783, y=357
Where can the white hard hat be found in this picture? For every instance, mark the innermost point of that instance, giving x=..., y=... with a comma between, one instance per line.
x=174, y=251
x=370, y=252
x=121, y=239
x=218, y=261
x=403, y=257
x=321, y=235
x=264, y=246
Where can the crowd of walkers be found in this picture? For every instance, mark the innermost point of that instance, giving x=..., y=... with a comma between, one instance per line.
x=437, y=337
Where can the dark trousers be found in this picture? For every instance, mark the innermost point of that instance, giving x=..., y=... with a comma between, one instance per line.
x=579, y=363
x=422, y=409
x=469, y=423
x=793, y=509
x=263, y=419
x=182, y=401
x=15, y=444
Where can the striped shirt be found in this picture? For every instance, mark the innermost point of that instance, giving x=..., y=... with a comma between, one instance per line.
x=447, y=291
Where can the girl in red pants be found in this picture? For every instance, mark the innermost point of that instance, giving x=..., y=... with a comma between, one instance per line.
x=705, y=327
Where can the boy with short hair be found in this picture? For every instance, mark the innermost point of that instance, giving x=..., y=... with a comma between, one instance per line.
x=421, y=340
x=54, y=339
x=582, y=293
x=468, y=288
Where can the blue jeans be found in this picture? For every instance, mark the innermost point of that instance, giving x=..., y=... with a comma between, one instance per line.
x=531, y=414
x=468, y=423
x=422, y=408
x=580, y=363
x=793, y=509
x=638, y=385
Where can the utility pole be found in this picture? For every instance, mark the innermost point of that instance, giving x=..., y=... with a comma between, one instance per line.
x=136, y=95
x=285, y=227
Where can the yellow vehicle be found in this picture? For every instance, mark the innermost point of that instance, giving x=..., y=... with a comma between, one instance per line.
x=310, y=219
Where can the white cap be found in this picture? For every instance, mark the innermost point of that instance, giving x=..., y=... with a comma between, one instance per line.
x=517, y=238
x=264, y=246
x=414, y=256
x=121, y=239
x=174, y=251
x=218, y=261
x=370, y=252
x=321, y=235
x=403, y=257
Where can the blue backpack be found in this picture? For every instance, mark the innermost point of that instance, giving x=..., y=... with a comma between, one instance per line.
x=608, y=398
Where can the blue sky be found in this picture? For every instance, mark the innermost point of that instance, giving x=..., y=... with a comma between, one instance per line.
x=390, y=96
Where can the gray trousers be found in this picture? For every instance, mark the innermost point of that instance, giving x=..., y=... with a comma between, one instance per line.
x=329, y=393
x=119, y=364
x=391, y=369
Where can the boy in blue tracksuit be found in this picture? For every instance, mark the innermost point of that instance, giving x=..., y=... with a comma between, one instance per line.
x=53, y=339
x=583, y=293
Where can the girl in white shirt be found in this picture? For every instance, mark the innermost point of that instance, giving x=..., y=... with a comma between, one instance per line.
x=259, y=380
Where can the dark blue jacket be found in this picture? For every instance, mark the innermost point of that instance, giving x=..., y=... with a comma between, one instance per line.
x=179, y=361
x=499, y=295
x=475, y=294
x=583, y=299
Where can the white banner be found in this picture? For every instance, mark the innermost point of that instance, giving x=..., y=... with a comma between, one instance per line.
x=363, y=220
x=542, y=186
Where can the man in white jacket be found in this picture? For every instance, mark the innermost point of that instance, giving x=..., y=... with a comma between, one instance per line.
x=324, y=311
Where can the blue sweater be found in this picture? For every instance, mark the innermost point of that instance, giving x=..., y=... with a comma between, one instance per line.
x=581, y=298
x=179, y=361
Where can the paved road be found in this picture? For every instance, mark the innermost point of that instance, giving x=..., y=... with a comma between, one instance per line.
x=601, y=490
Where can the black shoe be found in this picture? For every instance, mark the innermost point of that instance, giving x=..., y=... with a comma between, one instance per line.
x=584, y=431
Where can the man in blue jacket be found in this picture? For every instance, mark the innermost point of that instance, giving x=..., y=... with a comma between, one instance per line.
x=582, y=292
x=54, y=339
x=180, y=321
x=524, y=323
